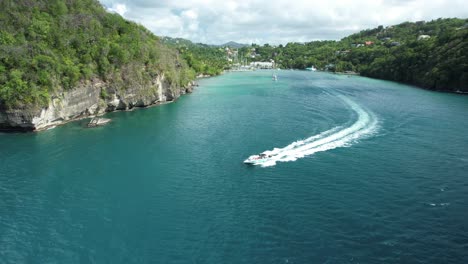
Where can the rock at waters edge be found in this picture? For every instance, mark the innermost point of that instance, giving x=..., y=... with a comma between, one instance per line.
x=86, y=100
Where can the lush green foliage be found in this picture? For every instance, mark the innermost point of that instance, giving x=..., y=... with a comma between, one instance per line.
x=439, y=62
x=204, y=59
x=46, y=45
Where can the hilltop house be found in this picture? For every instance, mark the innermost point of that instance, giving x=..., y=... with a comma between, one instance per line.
x=421, y=37
x=357, y=45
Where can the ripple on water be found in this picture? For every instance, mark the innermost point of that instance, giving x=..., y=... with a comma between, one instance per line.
x=167, y=184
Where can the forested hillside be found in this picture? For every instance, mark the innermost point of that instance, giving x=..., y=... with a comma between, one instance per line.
x=52, y=45
x=48, y=45
x=431, y=54
x=204, y=59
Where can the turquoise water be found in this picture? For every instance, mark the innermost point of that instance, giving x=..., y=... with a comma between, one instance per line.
x=362, y=171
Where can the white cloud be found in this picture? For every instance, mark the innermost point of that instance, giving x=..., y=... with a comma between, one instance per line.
x=190, y=14
x=277, y=21
x=120, y=9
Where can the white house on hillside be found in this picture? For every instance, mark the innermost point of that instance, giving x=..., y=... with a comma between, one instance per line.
x=423, y=37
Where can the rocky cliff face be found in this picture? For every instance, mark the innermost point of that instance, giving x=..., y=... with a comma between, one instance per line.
x=89, y=98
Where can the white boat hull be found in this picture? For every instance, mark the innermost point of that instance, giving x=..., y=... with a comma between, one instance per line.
x=256, y=160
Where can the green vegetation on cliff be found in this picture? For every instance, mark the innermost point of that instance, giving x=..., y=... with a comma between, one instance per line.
x=47, y=45
x=202, y=58
x=431, y=54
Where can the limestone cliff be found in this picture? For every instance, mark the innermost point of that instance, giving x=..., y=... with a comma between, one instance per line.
x=63, y=60
x=90, y=98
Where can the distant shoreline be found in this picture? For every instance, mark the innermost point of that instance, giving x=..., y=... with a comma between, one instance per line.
x=351, y=73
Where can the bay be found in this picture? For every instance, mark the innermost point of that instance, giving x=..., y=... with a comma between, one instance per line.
x=387, y=182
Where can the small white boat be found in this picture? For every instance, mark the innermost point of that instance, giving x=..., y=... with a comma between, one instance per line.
x=257, y=159
x=311, y=68
x=97, y=121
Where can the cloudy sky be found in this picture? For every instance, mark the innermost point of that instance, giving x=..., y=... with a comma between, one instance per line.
x=276, y=21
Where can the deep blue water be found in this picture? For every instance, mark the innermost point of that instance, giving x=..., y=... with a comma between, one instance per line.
x=387, y=184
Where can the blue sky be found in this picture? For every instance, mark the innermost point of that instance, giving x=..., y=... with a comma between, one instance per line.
x=276, y=21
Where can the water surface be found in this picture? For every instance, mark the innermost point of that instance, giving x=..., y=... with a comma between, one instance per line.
x=167, y=184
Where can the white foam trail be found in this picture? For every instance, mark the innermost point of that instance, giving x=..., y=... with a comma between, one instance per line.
x=300, y=143
x=365, y=125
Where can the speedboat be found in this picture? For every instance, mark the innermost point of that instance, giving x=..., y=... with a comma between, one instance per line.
x=257, y=159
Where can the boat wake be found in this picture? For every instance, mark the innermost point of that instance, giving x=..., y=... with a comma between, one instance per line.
x=365, y=125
